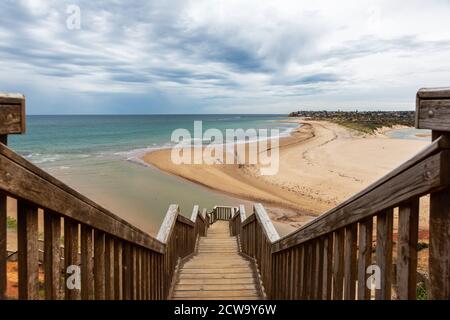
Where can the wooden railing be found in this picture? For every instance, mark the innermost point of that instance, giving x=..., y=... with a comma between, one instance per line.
x=103, y=257
x=333, y=256
x=221, y=213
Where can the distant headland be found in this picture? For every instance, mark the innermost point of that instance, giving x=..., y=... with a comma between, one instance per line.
x=365, y=121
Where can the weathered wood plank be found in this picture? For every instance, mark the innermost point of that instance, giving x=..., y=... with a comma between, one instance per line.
x=434, y=114
x=216, y=294
x=338, y=267
x=134, y=273
x=327, y=266
x=127, y=271
x=350, y=269
x=384, y=253
x=71, y=258
x=318, y=275
x=27, y=233
x=87, y=263
x=364, y=257
x=439, y=258
x=99, y=265
x=408, y=230
x=26, y=181
x=401, y=187
x=434, y=93
x=195, y=213
x=3, y=236
x=14, y=98
x=52, y=255
x=118, y=270
x=266, y=224
x=109, y=267
x=168, y=223
x=12, y=113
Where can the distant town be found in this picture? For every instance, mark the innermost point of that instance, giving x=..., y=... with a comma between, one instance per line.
x=366, y=121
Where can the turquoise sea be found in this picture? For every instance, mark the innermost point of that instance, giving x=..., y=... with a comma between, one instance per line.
x=99, y=155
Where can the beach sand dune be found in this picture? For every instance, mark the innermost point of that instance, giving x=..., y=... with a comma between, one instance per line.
x=321, y=164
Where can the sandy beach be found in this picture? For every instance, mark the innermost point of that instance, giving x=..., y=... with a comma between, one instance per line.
x=321, y=164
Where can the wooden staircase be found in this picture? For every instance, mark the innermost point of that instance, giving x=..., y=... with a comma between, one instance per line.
x=217, y=271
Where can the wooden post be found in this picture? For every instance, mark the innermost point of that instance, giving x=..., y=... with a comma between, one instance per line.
x=439, y=260
x=87, y=266
x=70, y=255
x=12, y=115
x=350, y=261
x=384, y=253
x=408, y=231
x=12, y=121
x=433, y=112
x=27, y=232
x=3, y=253
x=99, y=264
x=52, y=255
x=364, y=257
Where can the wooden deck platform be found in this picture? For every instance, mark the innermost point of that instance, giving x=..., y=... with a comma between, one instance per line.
x=217, y=271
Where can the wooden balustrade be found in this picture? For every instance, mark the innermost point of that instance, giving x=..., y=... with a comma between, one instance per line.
x=111, y=258
x=333, y=256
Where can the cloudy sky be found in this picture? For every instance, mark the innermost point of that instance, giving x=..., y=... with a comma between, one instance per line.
x=222, y=56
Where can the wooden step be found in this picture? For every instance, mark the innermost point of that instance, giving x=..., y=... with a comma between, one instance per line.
x=201, y=281
x=219, y=298
x=216, y=276
x=214, y=265
x=215, y=270
x=212, y=294
x=215, y=287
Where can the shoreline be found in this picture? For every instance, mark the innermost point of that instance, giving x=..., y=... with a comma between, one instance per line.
x=321, y=164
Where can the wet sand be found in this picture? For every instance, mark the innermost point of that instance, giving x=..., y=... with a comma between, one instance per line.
x=321, y=164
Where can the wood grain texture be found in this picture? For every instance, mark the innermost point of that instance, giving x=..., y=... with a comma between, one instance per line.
x=52, y=255
x=350, y=269
x=70, y=256
x=118, y=270
x=439, y=259
x=384, y=253
x=3, y=254
x=99, y=264
x=364, y=257
x=168, y=224
x=109, y=267
x=266, y=224
x=338, y=264
x=408, y=231
x=327, y=266
x=434, y=93
x=87, y=263
x=12, y=114
x=434, y=115
x=27, y=233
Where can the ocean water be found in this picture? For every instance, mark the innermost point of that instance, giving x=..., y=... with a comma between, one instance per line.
x=410, y=134
x=99, y=156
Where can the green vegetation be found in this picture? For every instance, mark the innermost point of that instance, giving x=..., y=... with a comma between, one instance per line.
x=11, y=223
x=422, y=245
x=421, y=291
x=367, y=121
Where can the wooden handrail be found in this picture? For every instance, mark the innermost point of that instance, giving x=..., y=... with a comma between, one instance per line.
x=20, y=178
x=422, y=174
x=116, y=259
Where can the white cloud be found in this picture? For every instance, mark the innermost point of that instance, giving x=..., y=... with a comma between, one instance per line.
x=230, y=56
